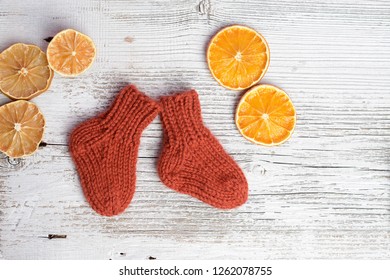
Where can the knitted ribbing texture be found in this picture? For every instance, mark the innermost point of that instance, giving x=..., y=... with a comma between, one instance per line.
x=193, y=161
x=105, y=150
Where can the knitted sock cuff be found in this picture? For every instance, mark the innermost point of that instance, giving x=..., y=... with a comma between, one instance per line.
x=181, y=116
x=131, y=109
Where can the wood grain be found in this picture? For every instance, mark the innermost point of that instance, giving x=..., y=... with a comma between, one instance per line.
x=323, y=194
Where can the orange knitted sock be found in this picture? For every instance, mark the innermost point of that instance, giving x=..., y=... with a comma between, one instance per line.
x=193, y=161
x=105, y=150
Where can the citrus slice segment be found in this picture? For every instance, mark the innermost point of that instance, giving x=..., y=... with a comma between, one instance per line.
x=21, y=128
x=238, y=57
x=24, y=71
x=266, y=115
x=71, y=53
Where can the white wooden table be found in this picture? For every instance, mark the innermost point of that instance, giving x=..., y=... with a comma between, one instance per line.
x=323, y=194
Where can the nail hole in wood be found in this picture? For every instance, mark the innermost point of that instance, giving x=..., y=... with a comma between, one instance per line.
x=42, y=144
x=56, y=236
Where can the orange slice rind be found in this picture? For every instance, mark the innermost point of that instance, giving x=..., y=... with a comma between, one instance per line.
x=22, y=126
x=238, y=57
x=266, y=115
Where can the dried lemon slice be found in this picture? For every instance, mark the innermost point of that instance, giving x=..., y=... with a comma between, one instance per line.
x=24, y=71
x=21, y=128
x=71, y=53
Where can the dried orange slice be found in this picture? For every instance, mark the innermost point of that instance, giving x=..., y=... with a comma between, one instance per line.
x=21, y=128
x=24, y=71
x=238, y=57
x=71, y=53
x=265, y=115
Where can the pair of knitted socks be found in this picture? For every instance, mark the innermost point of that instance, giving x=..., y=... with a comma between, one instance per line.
x=192, y=161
